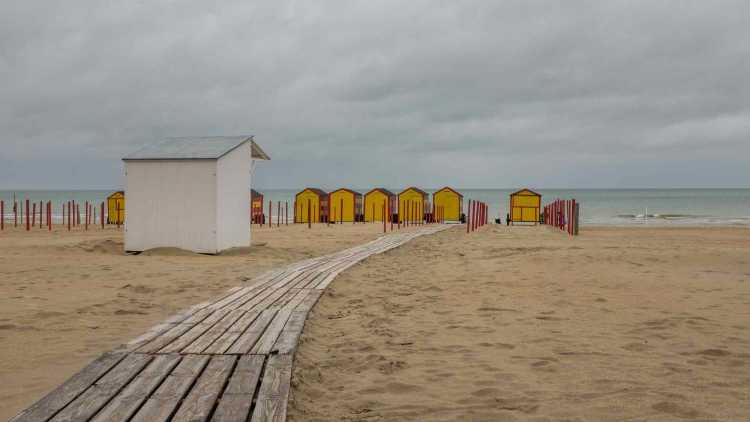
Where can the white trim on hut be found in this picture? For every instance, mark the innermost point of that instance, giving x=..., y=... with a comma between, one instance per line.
x=190, y=193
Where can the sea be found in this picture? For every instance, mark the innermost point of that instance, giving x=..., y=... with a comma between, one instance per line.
x=618, y=207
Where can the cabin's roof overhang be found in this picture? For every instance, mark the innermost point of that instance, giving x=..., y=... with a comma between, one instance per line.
x=196, y=148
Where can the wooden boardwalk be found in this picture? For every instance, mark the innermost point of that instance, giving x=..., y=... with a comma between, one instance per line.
x=226, y=360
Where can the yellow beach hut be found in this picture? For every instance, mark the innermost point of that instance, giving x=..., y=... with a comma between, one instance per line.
x=256, y=207
x=316, y=201
x=412, y=201
x=346, y=205
x=374, y=201
x=524, y=206
x=451, y=202
x=116, y=208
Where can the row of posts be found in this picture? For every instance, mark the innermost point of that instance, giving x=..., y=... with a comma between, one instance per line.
x=411, y=216
x=477, y=216
x=563, y=214
x=32, y=215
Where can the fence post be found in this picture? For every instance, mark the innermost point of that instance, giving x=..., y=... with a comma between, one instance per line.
x=468, y=216
x=27, y=215
x=384, y=211
x=2, y=215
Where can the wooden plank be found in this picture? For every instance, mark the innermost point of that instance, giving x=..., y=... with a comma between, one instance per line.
x=296, y=300
x=268, y=339
x=58, y=398
x=284, y=299
x=268, y=296
x=95, y=397
x=194, y=332
x=289, y=337
x=162, y=404
x=309, y=301
x=274, y=390
x=247, y=340
x=200, y=402
x=213, y=333
x=127, y=402
x=226, y=340
x=237, y=399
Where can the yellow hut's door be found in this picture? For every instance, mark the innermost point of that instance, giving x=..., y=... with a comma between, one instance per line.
x=412, y=203
x=374, y=206
x=342, y=206
x=517, y=214
x=451, y=205
x=307, y=201
x=529, y=215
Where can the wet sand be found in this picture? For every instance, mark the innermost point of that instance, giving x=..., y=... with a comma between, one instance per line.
x=67, y=297
x=527, y=324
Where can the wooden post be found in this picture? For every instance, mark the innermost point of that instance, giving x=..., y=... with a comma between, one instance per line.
x=384, y=227
x=101, y=214
x=296, y=219
x=27, y=215
x=2, y=215
x=15, y=214
x=468, y=216
x=309, y=216
x=49, y=215
x=270, y=214
x=33, y=215
x=278, y=213
x=286, y=213
x=390, y=211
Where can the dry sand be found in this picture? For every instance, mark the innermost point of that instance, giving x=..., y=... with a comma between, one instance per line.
x=67, y=297
x=527, y=324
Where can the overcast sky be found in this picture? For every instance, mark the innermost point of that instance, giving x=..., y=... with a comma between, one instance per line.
x=470, y=94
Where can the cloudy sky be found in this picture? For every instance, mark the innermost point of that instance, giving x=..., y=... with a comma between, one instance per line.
x=471, y=94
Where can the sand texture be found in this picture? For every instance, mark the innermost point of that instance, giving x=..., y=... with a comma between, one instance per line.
x=527, y=324
x=67, y=297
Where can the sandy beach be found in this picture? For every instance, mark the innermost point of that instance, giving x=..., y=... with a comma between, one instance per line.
x=66, y=297
x=527, y=324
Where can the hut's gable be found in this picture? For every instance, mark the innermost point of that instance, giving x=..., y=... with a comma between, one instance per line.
x=524, y=206
x=375, y=201
x=312, y=202
x=451, y=203
x=345, y=205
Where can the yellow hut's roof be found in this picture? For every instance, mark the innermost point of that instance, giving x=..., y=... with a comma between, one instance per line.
x=412, y=188
x=448, y=189
x=525, y=192
x=355, y=193
x=316, y=191
x=384, y=191
x=116, y=195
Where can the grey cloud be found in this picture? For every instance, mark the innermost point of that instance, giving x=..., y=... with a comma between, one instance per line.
x=472, y=93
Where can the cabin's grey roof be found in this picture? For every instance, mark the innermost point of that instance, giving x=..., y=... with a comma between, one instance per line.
x=195, y=148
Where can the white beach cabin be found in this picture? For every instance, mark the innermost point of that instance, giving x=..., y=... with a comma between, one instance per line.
x=190, y=193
